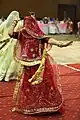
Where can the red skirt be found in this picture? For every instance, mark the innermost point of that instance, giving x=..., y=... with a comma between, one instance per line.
x=41, y=98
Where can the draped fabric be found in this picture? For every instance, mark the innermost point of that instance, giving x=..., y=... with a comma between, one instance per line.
x=31, y=23
x=8, y=66
x=31, y=46
x=38, y=89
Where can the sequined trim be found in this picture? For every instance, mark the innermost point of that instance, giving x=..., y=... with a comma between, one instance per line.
x=30, y=63
x=37, y=111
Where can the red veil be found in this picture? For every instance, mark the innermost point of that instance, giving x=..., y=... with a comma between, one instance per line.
x=31, y=23
x=30, y=30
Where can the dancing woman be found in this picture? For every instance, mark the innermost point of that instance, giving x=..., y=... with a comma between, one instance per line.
x=38, y=89
x=8, y=66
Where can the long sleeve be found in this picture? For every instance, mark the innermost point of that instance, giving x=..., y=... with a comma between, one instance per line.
x=15, y=35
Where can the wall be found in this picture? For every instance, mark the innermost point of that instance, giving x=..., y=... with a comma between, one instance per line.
x=41, y=7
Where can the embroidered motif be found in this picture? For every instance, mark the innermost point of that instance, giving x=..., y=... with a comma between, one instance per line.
x=33, y=55
x=32, y=49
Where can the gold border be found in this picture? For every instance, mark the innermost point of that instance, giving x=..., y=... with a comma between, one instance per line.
x=38, y=111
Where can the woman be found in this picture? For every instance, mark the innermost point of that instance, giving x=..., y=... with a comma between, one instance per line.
x=7, y=63
x=69, y=26
x=38, y=89
x=78, y=26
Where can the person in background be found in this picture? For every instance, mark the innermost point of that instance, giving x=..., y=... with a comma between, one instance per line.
x=32, y=14
x=57, y=21
x=45, y=20
x=78, y=26
x=69, y=26
x=2, y=20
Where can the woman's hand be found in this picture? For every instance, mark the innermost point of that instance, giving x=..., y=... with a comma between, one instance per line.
x=14, y=23
x=67, y=44
x=52, y=41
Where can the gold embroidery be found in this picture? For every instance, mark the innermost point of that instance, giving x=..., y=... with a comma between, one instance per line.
x=30, y=63
x=39, y=110
x=18, y=83
x=38, y=76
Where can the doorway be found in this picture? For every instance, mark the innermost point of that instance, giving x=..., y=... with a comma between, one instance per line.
x=67, y=10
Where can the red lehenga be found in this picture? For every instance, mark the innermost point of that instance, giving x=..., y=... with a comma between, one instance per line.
x=38, y=89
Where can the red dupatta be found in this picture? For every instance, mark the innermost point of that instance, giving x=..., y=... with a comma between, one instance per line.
x=30, y=32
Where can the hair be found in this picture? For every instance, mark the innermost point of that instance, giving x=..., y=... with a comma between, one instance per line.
x=32, y=13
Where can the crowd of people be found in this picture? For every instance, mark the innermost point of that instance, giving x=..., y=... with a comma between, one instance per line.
x=53, y=21
x=47, y=20
x=24, y=57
